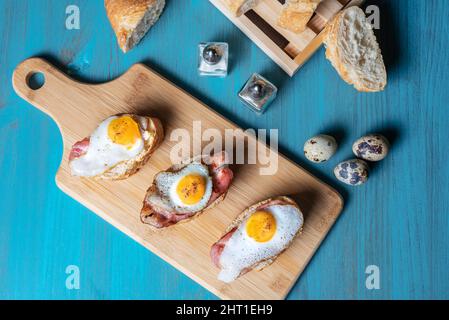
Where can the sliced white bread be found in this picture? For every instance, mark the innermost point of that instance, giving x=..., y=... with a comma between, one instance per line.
x=131, y=19
x=352, y=48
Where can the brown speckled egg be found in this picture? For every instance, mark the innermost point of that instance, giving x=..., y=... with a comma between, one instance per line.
x=372, y=147
x=320, y=148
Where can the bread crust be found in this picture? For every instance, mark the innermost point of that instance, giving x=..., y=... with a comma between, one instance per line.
x=244, y=215
x=334, y=55
x=125, y=16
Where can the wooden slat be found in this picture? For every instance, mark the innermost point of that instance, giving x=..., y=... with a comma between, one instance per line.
x=267, y=29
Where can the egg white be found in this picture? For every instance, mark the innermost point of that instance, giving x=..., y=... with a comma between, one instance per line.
x=103, y=153
x=166, y=183
x=242, y=251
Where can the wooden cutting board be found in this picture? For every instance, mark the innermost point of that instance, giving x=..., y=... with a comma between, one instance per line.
x=78, y=108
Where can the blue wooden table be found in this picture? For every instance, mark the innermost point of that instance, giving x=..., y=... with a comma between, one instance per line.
x=398, y=221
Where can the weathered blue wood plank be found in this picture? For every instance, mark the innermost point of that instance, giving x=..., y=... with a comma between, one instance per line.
x=398, y=221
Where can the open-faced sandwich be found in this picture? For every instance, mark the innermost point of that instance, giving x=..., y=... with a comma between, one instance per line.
x=257, y=237
x=118, y=148
x=186, y=190
x=352, y=48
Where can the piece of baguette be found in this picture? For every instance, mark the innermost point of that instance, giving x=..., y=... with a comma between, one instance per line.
x=239, y=7
x=296, y=14
x=352, y=48
x=131, y=19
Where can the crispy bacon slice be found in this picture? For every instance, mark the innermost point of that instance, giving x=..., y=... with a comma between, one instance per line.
x=79, y=149
x=160, y=217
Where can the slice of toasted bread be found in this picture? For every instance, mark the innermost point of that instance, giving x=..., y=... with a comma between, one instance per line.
x=352, y=48
x=131, y=19
x=250, y=210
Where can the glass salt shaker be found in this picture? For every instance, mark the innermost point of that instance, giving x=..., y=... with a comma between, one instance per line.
x=213, y=59
x=258, y=93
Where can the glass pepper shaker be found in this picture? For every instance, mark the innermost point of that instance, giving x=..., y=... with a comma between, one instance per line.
x=258, y=93
x=213, y=59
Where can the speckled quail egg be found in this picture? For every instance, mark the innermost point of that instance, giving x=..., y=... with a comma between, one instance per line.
x=320, y=148
x=353, y=172
x=372, y=147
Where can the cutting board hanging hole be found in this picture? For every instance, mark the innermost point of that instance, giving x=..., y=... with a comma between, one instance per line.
x=35, y=80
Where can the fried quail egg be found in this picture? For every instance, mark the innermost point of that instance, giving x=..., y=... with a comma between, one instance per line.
x=263, y=235
x=187, y=190
x=116, y=139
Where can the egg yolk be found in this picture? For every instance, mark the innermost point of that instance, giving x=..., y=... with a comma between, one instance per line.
x=124, y=131
x=261, y=226
x=191, y=189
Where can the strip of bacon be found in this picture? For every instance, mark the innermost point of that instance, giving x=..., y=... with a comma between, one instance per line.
x=221, y=179
x=160, y=218
x=217, y=248
x=79, y=149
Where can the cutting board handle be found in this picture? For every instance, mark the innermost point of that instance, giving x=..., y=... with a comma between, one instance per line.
x=54, y=82
x=64, y=99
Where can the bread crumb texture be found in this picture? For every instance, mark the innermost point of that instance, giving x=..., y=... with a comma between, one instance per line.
x=353, y=50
